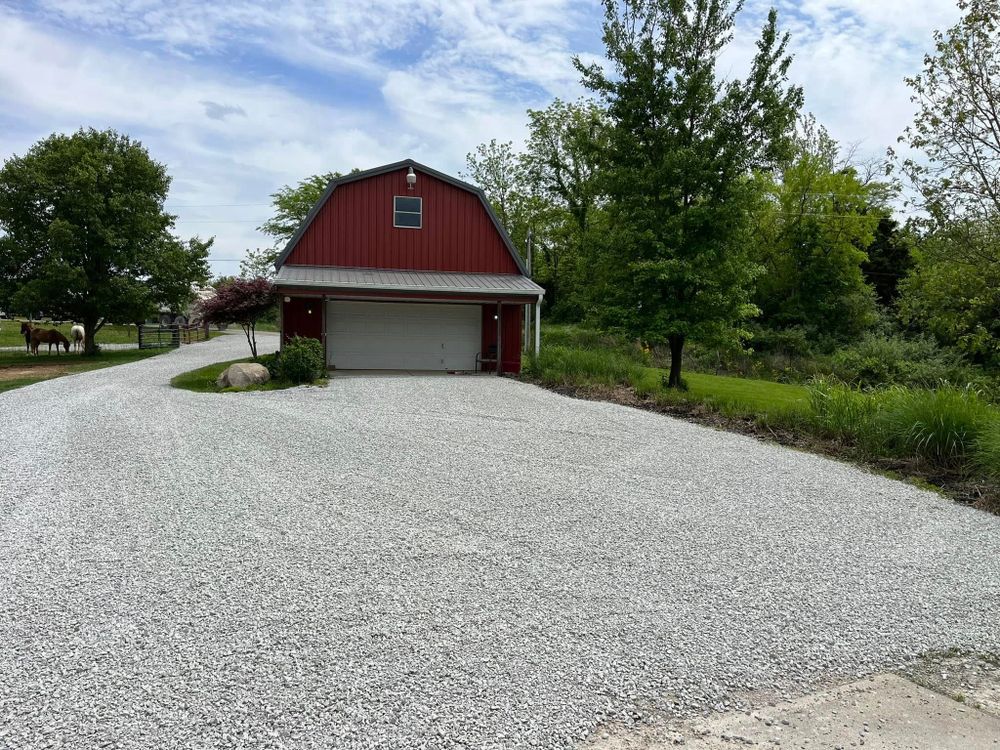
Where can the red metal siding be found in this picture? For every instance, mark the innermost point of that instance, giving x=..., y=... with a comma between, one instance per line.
x=302, y=316
x=510, y=328
x=354, y=228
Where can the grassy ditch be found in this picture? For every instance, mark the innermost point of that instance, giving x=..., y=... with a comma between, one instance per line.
x=947, y=437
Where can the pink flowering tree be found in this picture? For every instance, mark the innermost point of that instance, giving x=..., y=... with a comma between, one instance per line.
x=241, y=301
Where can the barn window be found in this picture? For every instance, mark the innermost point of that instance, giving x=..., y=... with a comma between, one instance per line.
x=407, y=212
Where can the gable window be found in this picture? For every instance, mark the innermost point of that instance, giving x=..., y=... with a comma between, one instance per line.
x=407, y=212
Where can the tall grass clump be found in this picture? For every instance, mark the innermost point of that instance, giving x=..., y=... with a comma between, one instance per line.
x=849, y=415
x=987, y=460
x=564, y=365
x=942, y=426
x=949, y=428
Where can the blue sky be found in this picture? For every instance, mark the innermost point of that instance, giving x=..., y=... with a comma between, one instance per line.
x=240, y=98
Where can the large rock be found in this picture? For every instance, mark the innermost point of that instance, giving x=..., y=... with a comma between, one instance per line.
x=243, y=374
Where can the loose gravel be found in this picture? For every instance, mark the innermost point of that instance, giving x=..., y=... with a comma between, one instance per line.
x=436, y=562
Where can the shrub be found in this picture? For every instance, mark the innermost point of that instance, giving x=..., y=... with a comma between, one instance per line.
x=273, y=364
x=301, y=360
x=894, y=360
x=794, y=341
x=942, y=425
x=243, y=301
x=578, y=337
x=563, y=365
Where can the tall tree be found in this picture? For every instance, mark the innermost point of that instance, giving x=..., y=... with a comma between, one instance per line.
x=85, y=234
x=890, y=259
x=564, y=144
x=562, y=161
x=502, y=173
x=292, y=203
x=957, y=302
x=957, y=128
x=682, y=147
x=259, y=263
x=952, y=292
x=812, y=234
x=499, y=171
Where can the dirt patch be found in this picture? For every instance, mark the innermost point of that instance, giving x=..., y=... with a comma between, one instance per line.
x=16, y=372
x=967, y=677
x=979, y=495
x=883, y=712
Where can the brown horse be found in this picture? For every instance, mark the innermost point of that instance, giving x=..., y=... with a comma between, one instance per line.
x=26, y=329
x=50, y=337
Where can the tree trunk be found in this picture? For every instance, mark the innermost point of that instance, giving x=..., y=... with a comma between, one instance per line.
x=248, y=329
x=676, y=352
x=89, y=332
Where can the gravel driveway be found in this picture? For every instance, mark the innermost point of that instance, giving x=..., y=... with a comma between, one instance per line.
x=435, y=562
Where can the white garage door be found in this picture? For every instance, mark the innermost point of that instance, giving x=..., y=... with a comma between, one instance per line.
x=402, y=336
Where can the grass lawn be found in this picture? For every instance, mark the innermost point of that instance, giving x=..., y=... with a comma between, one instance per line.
x=731, y=395
x=203, y=380
x=10, y=333
x=18, y=369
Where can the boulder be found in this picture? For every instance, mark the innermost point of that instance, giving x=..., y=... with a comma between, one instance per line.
x=243, y=374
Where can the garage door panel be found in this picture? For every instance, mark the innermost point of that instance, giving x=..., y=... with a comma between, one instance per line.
x=387, y=335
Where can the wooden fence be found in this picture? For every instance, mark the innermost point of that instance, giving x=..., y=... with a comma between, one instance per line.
x=170, y=337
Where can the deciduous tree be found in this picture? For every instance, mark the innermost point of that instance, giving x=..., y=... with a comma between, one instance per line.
x=241, y=301
x=683, y=145
x=957, y=129
x=812, y=233
x=85, y=234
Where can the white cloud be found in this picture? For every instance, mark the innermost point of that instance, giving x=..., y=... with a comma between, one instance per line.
x=851, y=57
x=239, y=98
x=171, y=74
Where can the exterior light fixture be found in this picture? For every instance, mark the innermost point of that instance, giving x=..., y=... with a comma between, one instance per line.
x=411, y=179
x=496, y=317
x=288, y=299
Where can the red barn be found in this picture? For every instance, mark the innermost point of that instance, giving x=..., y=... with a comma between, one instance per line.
x=405, y=268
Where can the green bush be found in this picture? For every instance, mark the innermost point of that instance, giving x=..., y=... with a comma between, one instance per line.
x=793, y=341
x=564, y=365
x=577, y=337
x=301, y=360
x=880, y=360
x=273, y=364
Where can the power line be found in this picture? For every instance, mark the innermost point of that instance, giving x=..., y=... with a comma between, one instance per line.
x=213, y=205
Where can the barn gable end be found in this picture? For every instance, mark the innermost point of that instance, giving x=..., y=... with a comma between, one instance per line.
x=352, y=226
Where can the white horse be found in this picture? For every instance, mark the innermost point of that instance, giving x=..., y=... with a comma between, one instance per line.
x=76, y=334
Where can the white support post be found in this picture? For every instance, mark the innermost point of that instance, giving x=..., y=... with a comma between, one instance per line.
x=499, y=338
x=538, y=326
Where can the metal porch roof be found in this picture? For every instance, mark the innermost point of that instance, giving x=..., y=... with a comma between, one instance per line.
x=395, y=280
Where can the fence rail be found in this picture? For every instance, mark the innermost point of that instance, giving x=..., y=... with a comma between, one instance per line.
x=170, y=337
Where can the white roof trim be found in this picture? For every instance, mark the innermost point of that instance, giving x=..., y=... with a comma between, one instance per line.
x=401, y=280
